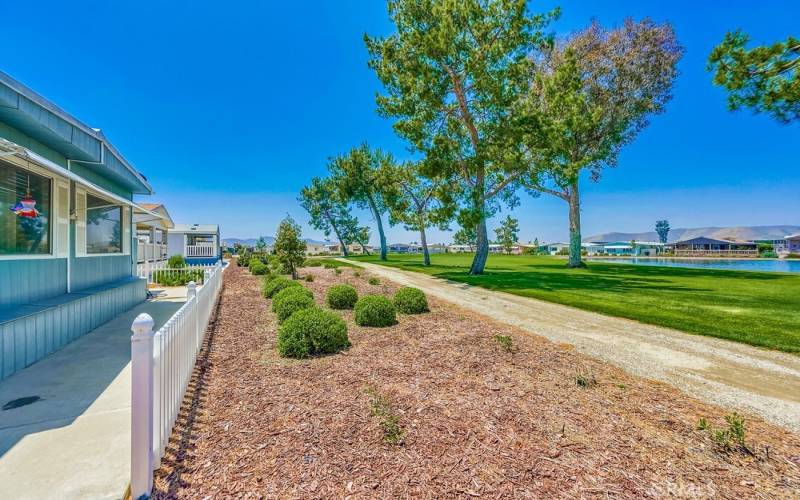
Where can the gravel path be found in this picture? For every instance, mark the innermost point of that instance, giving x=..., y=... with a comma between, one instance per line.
x=732, y=375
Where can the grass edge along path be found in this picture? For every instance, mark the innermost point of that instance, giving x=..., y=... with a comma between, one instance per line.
x=756, y=308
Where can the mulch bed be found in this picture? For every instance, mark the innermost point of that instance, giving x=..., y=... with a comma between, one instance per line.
x=477, y=419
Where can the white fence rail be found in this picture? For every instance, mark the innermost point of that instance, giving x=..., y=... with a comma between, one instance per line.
x=151, y=271
x=161, y=367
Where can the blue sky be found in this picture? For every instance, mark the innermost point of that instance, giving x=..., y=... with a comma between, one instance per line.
x=230, y=108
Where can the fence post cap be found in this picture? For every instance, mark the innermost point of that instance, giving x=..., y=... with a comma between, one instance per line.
x=192, y=285
x=142, y=325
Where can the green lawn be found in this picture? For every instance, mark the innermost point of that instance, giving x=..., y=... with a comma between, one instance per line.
x=757, y=308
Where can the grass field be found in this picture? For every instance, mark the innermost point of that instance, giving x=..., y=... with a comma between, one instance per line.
x=761, y=309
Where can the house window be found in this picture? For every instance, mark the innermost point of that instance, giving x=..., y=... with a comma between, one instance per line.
x=25, y=210
x=103, y=226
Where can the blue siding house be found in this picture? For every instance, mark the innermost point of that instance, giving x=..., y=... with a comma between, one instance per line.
x=67, y=254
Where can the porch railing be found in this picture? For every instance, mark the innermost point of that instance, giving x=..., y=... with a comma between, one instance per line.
x=206, y=250
x=150, y=252
x=707, y=253
x=161, y=367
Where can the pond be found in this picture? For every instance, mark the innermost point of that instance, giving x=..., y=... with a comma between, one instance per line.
x=762, y=265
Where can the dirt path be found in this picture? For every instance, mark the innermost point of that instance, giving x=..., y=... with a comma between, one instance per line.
x=729, y=374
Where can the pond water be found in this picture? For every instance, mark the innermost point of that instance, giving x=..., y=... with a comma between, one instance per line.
x=767, y=265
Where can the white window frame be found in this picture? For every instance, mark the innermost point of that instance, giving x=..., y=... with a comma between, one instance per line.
x=81, y=210
x=55, y=244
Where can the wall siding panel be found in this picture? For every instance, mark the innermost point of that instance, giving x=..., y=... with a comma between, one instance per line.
x=88, y=272
x=31, y=279
x=28, y=339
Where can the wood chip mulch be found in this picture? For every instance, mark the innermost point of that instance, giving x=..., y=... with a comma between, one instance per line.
x=477, y=420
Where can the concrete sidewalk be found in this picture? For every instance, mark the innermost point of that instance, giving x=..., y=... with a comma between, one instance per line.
x=74, y=441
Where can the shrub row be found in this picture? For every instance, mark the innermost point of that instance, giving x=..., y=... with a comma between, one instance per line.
x=290, y=300
x=275, y=284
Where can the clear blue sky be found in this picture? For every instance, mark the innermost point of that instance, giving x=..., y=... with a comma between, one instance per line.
x=230, y=108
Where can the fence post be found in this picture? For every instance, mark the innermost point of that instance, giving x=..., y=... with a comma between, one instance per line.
x=192, y=294
x=142, y=406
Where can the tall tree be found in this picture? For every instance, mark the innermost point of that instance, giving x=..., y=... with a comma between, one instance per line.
x=289, y=247
x=662, y=228
x=590, y=95
x=417, y=202
x=466, y=236
x=353, y=233
x=765, y=79
x=452, y=70
x=357, y=175
x=508, y=233
x=329, y=213
x=261, y=244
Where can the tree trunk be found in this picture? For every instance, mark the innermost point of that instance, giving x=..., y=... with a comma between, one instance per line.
x=338, y=237
x=382, y=236
x=574, y=227
x=481, y=248
x=426, y=256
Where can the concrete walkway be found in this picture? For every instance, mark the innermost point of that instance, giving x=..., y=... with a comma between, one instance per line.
x=74, y=441
x=733, y=375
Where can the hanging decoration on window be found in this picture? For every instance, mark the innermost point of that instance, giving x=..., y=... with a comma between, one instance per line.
x=26, y=207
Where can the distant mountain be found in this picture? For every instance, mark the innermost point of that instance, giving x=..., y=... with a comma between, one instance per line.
x=745, y=233
x=251, y=242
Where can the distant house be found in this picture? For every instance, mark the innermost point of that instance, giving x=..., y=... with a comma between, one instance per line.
x=553, y=248
x=460, y=248
x=710, y=247
x=633, y=248
x=793, y=243
x=437, y=248
x=594, y=247
x=198, y=243
x=497, y=248
x=353, y=248
x=151, y=233
x=314, y=248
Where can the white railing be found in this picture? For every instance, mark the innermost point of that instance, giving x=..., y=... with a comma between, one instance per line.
x=161, y=367
x=205, y=250
x=153, y=272
x=150, y=252
x=726, y=253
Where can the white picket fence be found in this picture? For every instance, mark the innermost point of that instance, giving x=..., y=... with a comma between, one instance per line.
x=149, y=270
x=161, y=367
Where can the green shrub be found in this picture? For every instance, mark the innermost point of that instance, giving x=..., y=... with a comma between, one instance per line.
x=374, y=281
x=309, y=278
x=275, y=285
x=258, y=268
x=176, y=262
x=310, y=332
x=409, y=300
x=337, y=271
x=341, y=297
x=290, y=300
x=313, y=263
x=179, y=277
x=793, y=256
x=375, y=310
x=243, y=260
x=769, y=254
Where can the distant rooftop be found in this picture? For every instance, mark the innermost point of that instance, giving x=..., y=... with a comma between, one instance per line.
x=195, y=228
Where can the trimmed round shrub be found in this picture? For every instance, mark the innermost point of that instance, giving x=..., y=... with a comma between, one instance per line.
x=258, y=268
x=375, y=310
x=374, y=281
x=341, y=297
x=310, y=332
x=290, y=300
x=409, y=300
x=275, y=285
